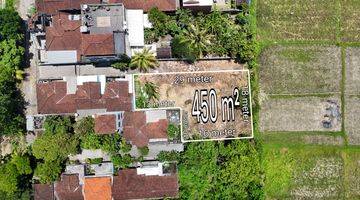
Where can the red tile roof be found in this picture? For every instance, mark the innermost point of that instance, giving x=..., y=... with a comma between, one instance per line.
x=139, y=132
x=52, y=97
x=68, y=188
x=97, y=44
x=43, y=192
x=129, y=185
x=52, y=6
x=105, y=124
x=97, y=188
x=146, y=5
x=65, y=34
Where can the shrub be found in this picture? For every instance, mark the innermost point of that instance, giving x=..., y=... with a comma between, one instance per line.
x=182, y=50
x=168, y=156
x=143, y=150
x=173, y=131
x=96, y=161
x=123, y=63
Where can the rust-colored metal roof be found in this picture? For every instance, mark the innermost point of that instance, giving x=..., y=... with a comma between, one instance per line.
x=53, y=6
x=105, y=124
x=43, y=192
x=97, y=188
x=52, y=97
x=146, y=5
x=68, y=188
x=139, y=132
x=129, y=185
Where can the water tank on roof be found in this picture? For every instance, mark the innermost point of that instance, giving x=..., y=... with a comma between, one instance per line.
x=84, y=29
x=85, y=7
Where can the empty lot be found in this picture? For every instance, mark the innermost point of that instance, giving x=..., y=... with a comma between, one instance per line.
x=298, y=20
x=300, y=69
x=301, y=114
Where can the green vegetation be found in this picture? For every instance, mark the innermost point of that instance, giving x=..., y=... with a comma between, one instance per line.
x=11, y=59
x=169, y=156
x=143, y=150
x=173, y=131
x=147, y=95
x=53, y=147
x=219, y=170
x=214, y=34
x=123, y=63
x=144, y=60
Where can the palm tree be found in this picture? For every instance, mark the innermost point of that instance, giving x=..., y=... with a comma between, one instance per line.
x=198, y=39
x=143, y=60
x=151, y=90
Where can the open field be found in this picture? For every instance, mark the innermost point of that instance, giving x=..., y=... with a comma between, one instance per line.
x=190, y=91
x=303, y=138
x=300, y=69
x=350, y=20
x=311, y=172
x=298, y=20
x=301, y=114
x=352, y=119
x=352, y=61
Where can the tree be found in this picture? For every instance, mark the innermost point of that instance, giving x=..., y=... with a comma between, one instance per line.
x=57, y=142
x=159, y=21
x=151, y=90
x=48, y=172
x=143, y=150
x=197, y=38
x=122, y=161
x=11, y=26
x=173, y=131
x=143, y=60
x=22, y=164
x=182, y=50
x=8, y=178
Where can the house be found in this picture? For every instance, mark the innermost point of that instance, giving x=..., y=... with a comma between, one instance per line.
x=151, y=180
x=198, y=5
x=84, y=95
x=92, y=31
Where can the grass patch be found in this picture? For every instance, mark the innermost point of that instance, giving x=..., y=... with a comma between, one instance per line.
x=350, y=20
x=308, y=172
x=300, y=69
x=312, y=20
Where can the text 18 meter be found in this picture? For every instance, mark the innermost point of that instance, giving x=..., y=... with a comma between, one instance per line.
x=205, y=105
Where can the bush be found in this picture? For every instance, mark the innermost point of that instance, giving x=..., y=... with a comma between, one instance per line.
x=122, y=161
x=182, y=50
x=96, y=161
x=168, y=156
x=143, y=150
x=173, y=131
x=123, y=63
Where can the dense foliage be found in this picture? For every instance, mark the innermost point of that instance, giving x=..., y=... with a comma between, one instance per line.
x=219, y=170
x=213, y=34
x=53, y=147
x=11, y=58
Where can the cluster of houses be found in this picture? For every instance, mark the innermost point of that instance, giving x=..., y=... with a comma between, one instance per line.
x=70, y=36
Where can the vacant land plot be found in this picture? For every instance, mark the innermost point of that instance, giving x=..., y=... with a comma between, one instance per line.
x=352, y=119
x=307, y=172
x=300, y=69
x=298, y=20
x=352, y=71
x=350, y=20
x=216, y=105
x=301, y=114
